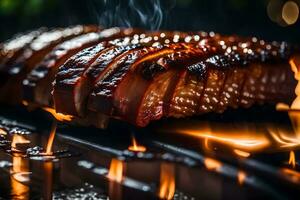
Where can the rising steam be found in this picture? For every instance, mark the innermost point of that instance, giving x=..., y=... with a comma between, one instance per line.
x=148, y=14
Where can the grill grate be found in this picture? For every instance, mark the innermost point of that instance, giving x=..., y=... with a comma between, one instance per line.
x=97, y=164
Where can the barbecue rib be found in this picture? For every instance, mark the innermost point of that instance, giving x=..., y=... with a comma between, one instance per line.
x=14, y=70
x=38, y=83
x=107, y=60
x=140, y=76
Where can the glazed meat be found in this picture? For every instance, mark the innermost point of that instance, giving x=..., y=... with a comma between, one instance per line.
x=37, y=85
x=14, y=70
x=14, y=47
x=75, y=82
x=140, y=76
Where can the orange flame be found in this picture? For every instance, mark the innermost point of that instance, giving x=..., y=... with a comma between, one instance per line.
x=116, y=170
x=241, y=176
x=294, y=68
x=18, y=139
x=283, y=139
x=241, y=153
x=167, y=181
x=51, y=139
x=292, y=160
x=244, y=139
x=241, y=141
x=295, y=119
x=59, y=116
x=282, y=107
x=296, y=102
x=135, y=147
x=212, y=164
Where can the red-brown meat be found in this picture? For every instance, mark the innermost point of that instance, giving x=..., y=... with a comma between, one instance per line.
x=140, y=76
x=16, y=69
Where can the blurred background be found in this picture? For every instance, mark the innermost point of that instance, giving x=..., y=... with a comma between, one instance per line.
x=270, y=19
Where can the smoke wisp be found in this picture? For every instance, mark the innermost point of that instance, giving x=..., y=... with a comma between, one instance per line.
x=148, y=14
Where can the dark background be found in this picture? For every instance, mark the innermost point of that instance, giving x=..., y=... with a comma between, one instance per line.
x=244, y=17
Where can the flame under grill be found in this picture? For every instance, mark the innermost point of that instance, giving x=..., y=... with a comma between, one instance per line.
x=216, y=156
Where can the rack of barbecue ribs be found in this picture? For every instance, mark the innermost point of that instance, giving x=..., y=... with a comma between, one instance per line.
x=138, y=76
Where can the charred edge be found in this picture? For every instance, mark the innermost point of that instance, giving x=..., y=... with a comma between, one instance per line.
x=150, y=69
x=224, y=62
x=199, y=69
x=94, y=71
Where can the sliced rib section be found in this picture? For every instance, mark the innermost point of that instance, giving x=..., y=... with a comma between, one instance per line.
x=106, y=62
x=13, y=48
x=31, y=56
x=158, y=98
x=38, y=84
x=123, y=97
x=141, y=76
x=72, y=87
x=101, y=99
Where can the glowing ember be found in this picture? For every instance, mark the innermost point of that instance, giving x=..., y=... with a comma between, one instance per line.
x=51, y=139
x=59, y=116
x=167, y=181
x=241, y=153
x=135, y=147
x=116, y=170
x=18, y=139
x=292, y=160
x=212, y=164
x=241, y=176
